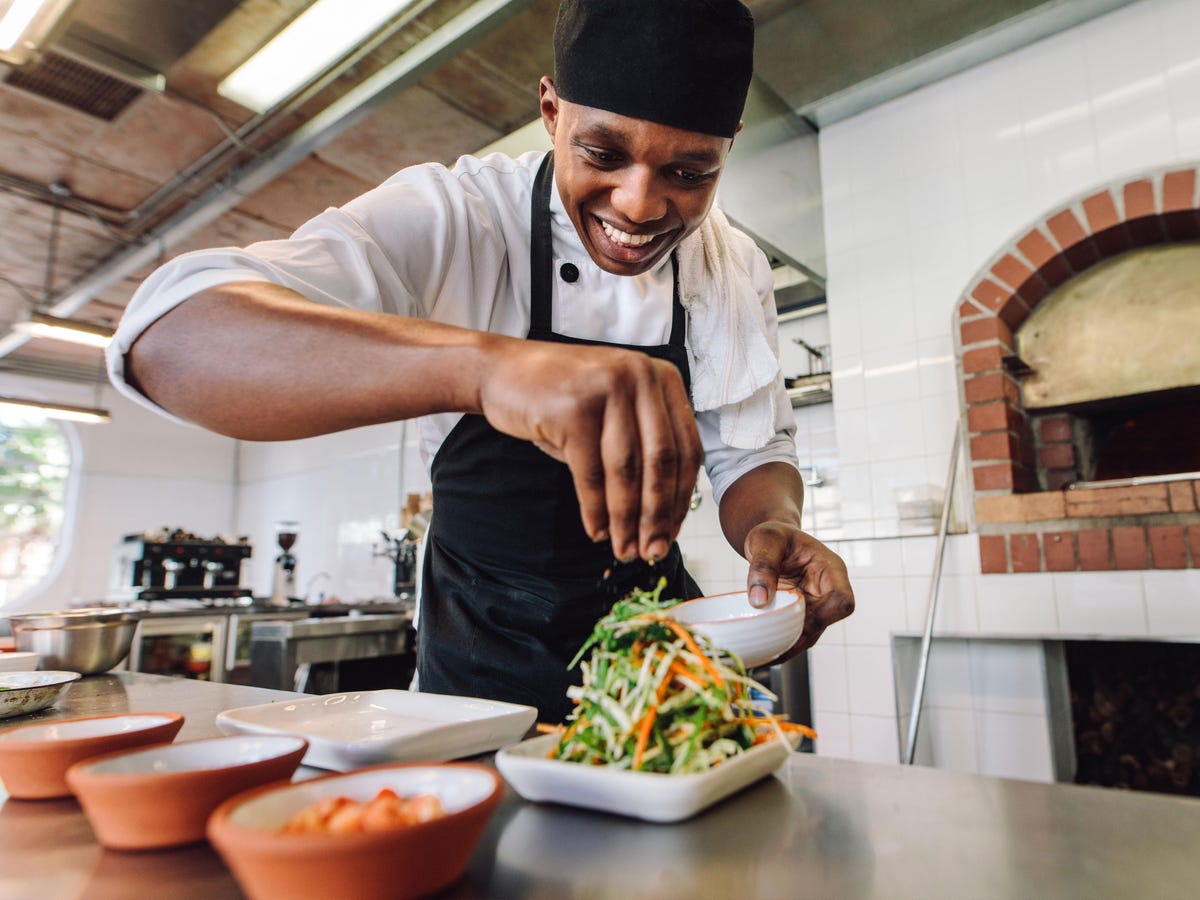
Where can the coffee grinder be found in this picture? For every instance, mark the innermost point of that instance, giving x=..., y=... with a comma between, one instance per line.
x=283, y=587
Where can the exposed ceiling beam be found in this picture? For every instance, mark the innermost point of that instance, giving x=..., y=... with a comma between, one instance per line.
x=462, y=31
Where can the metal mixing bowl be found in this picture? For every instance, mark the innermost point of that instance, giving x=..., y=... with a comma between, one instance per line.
x=86, y=641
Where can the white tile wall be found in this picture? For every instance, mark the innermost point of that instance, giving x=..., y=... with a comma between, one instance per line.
x=1017, y=604
x=869, y=677
x=1101, y=603
x=921, y=193
x=828, y=678
x=1013, y=746
x=138, y=472
x=1008, y=677
x=833, y=734
x=1173, y=603
x=873, y=738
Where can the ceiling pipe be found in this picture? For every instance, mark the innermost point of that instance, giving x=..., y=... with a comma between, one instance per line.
x=463, y=30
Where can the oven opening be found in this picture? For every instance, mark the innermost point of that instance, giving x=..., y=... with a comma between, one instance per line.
x=1156, y=434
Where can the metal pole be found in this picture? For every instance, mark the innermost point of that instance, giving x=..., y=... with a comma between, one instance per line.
x=914, y=717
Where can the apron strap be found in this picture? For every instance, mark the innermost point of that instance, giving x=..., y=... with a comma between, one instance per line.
x=541, y=263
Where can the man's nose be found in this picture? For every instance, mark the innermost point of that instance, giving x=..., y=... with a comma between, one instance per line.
x=637, y=197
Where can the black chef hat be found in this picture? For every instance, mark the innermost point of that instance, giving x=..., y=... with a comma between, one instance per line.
x=683, y=63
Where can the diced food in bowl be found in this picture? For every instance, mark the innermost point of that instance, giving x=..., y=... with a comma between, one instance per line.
x=343, y=815
x=417, y=859
x=34, y=758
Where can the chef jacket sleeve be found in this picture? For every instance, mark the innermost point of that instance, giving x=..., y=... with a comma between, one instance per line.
x=400, y=248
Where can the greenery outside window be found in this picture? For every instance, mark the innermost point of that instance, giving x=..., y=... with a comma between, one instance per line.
x=35, y=463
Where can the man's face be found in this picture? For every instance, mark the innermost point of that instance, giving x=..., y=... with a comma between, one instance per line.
x=633, y=189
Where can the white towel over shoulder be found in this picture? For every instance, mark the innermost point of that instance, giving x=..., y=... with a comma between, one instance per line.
x=734, y=366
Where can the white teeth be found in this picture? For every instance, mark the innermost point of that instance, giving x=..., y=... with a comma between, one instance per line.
x=623, y=237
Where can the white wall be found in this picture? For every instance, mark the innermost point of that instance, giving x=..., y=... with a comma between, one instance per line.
x=343, y=489
x=918, y=194
x=136, y=472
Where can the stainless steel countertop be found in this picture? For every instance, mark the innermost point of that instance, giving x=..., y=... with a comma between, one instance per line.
x=821, y=828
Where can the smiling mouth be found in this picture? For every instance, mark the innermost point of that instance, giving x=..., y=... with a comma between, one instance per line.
x=624, y=238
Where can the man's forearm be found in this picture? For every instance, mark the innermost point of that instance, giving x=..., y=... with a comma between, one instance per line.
x=257, y=361
x=773, y=492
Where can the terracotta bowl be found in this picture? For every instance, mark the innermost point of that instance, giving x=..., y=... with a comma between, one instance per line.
x=34, y=758
x=756, y=635
x=162, y=796
x=409, y=861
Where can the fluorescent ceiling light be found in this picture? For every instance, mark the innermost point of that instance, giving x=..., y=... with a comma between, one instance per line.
x=27, y=25
x=57, y=410
x=312, y=43
x=73, y=330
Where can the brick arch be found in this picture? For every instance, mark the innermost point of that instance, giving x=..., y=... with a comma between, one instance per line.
x=1005, y=444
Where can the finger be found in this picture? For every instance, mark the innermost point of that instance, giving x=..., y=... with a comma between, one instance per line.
x=621, y=454
x=660, y=465
x=582, y=456
x=766, y=550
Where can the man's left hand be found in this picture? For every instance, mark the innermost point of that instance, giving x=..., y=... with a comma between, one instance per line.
x=782, y=555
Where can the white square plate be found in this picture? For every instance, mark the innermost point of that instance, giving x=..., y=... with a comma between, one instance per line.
x=652, y=796
x=362, y=728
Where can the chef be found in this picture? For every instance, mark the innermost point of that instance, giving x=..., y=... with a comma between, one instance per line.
x=578, y=331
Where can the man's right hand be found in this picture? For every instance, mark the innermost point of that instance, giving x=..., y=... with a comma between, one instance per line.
x=256, y=361
x=622, y=423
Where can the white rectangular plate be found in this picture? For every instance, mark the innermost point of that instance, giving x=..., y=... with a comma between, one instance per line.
x=652, y=796
x=361, y=728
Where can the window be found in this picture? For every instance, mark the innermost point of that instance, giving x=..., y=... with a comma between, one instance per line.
x=35, y=462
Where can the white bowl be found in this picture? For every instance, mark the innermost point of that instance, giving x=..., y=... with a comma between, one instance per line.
x=26, y=692
x=756, y=634
x=19, y=661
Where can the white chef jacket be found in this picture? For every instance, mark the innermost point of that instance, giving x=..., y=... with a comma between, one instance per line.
x=452, y=245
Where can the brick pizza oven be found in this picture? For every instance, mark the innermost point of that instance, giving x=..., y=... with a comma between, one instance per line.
x=1079, y=366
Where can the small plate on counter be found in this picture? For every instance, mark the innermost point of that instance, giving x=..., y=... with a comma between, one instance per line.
x=19, y=661
x=362, y=728
x=652, y=796
x=26, y=692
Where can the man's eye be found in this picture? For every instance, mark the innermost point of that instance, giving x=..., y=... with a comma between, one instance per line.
x=688, y=177
x=601, y=156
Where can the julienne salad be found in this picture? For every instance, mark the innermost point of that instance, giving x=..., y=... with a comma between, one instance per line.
x=659, y=697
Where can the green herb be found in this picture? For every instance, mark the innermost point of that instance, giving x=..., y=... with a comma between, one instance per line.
x=657, y=696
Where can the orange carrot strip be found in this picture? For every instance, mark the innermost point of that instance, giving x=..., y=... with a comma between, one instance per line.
x=691, y=645
x=771, y=720
x=643, y=726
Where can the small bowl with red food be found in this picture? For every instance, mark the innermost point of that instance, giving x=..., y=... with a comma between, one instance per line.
x=391, y=831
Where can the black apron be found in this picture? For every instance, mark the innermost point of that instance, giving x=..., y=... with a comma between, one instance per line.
x=512, y=585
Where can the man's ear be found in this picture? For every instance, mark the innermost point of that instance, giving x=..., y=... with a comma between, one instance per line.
x=741, y=125
x=548, y=104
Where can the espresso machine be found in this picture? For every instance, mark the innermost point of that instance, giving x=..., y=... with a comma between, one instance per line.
x=172, y=564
